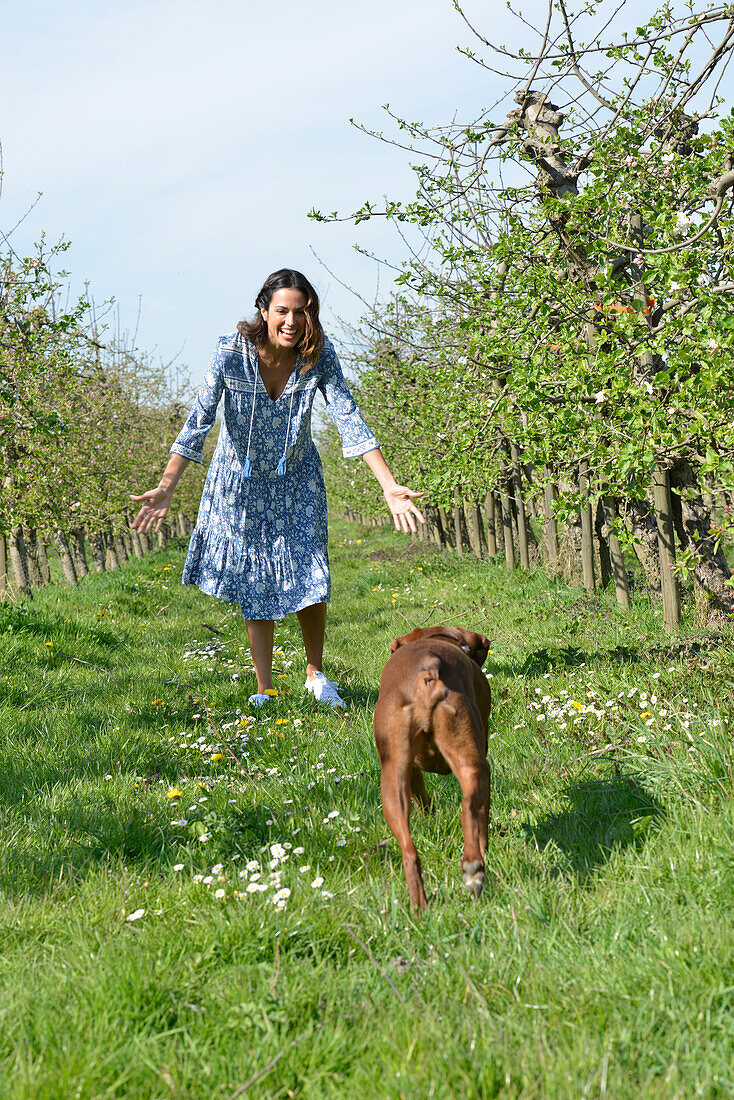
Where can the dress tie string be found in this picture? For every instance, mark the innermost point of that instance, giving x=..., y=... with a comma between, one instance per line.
x=283, y=464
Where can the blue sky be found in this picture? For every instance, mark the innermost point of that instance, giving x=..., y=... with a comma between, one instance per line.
x=179, y=145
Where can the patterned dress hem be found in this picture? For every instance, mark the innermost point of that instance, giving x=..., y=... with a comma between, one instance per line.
x=208, y=588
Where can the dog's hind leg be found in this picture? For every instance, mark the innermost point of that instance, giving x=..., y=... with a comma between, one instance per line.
x=484, y=815
x=475, y=785
x=472, y=771
x=396, y=776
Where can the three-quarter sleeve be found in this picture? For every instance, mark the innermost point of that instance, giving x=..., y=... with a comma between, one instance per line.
x=356, y=437
x=190, y=440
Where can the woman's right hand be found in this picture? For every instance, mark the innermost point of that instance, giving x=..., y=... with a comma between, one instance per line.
x=154, y=509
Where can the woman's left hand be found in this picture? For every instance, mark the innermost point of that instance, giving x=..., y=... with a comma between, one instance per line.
x=404, y=512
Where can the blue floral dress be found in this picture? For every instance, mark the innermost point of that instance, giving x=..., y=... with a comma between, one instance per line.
x=261, y=537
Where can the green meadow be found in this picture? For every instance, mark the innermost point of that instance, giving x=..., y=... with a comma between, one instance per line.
x=199, y=899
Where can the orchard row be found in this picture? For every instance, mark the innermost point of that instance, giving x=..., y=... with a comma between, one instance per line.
x=85, y=417
x=561, y=343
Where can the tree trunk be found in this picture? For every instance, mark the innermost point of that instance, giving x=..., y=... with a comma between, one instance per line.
x=43, y=564
x=120, y=548
x=458, y=534
x=78, y=551
x=693, y=525
x=136, y=544
x=522, y=527
x=569, y=550
x=3, y=567
x=490, y=512
x=447, y=529
x=181, y=525
x=67, y=561
x=433, y=520
x=587, y=530
x=639, y=520
x=34, y=569
x=499, y=531
x=533, y=548
x=616, y=557
x=507, y=527
x=437, y=528
x=110, y=559
x=19, y=562
x=96, y=542
x=605, y=557
x=473, y=517
x=666, y=548
x=550, y=528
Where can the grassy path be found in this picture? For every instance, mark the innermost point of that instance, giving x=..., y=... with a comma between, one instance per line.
x=197, y=901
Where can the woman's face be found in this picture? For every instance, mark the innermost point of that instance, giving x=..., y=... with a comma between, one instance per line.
x=286, y=318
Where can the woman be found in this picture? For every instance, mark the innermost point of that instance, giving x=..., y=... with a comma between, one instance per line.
x=261, y=536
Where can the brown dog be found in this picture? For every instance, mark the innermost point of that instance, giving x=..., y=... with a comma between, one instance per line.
x=431, y=715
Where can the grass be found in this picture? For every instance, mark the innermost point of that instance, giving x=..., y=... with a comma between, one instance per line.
x=135, y=962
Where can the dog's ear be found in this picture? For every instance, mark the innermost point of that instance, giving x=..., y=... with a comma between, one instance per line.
x=475, y=645
x=483, y=646
x=397, y=642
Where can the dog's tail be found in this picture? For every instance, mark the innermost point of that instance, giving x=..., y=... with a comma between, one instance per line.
x=429, y=691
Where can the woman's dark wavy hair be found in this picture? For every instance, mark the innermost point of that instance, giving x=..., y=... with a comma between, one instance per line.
x=256, y=330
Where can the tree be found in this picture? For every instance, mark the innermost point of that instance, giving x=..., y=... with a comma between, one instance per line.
x=573, y=318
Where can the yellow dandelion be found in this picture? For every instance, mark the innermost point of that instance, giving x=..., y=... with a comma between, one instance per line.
x=48, y=643
x=174, y=792
x=281, y=721
x=270, y=691
x=216, y=756
x=156, y=702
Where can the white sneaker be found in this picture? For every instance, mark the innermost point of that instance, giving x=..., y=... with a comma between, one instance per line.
x=324, y=690
x=258, y=699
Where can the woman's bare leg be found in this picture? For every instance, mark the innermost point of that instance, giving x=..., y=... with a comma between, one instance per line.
x=312, y=621
x=260, y=636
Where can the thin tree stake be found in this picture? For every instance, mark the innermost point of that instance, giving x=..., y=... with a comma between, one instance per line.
x=222, y=740
x=372, y=959
x=272, y=1063
x=81, y=662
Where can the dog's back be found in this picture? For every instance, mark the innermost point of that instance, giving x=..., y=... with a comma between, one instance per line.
x=426, y=682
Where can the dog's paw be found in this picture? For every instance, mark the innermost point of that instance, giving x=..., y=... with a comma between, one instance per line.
x=473, y=876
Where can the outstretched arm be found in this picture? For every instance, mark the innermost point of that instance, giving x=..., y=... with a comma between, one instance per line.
x=188, y=445
x=398, y=497
x=156, y=502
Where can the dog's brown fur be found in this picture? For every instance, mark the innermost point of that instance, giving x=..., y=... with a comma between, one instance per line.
x=432, y=715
